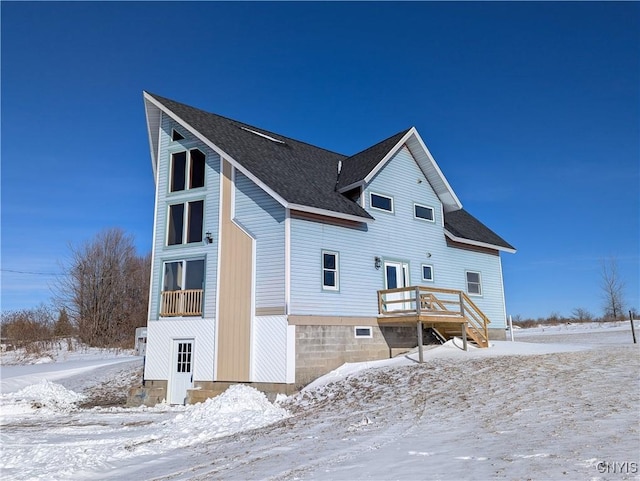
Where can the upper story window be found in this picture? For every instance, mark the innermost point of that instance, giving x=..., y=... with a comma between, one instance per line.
x=381, y=202
x=423, y=212
x=330, y=274
x=474, y=284
x=187, y=170
x=181, y=232
x=175, y=135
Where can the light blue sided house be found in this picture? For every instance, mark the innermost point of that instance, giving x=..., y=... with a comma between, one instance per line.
x=275, y=261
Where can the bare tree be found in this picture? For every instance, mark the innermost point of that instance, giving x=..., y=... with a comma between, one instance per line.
x=580, y=314
x=612, y=289
x=105, y=289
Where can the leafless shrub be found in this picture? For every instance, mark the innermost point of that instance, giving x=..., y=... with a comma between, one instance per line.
x=28, y=328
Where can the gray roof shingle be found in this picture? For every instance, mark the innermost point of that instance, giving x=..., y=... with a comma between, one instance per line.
x=307, y=175
x=462, y=224
x=298, y=172
x=358, y=166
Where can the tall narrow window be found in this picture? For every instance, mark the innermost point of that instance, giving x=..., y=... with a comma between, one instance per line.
x=196, y=176
x=194, y=228
x=178, y=166
x=185, y=229
x=330, y=276
x=176, y=224
x=474, y=285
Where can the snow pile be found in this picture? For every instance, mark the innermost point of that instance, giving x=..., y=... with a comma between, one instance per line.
x=45, y=396
x=239, y=408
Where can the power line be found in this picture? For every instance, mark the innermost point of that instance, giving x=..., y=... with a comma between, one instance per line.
x=13, y=271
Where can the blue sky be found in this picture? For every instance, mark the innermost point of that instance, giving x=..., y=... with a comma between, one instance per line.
x=532, y=111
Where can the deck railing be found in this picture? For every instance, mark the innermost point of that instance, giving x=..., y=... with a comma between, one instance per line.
x=186, y=302
x=435, y=304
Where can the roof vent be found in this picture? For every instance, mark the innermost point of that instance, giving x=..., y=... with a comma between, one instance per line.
x=265, y=136
x=339, y=167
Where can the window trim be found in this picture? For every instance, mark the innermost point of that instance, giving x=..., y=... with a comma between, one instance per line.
x=430, y=266
x=371, y=194
x=466, y=278
x=362, y=336
x=188, y=170
x=415, y=213
x=173, y=135
x=186, y=222
x=336, y=254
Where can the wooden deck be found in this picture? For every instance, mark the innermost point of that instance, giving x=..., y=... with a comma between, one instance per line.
x=450, y=312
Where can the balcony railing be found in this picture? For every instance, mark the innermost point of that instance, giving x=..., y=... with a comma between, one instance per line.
x=186, y=302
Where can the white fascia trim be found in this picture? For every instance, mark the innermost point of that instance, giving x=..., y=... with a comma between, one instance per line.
x=154, y=134
x=477, y=243
x=328, y=213
x=450, y=191
x=342, y=190
x=218, y=150
x=386, y=158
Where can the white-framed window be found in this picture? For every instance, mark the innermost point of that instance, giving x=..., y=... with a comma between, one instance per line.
x=381, y=202
x=474, y=283
x=362, y=332
x=175, y=135
x=424, y=212
x=185, y=223
x=427, y=272
x=187, y=170
x=330, y=271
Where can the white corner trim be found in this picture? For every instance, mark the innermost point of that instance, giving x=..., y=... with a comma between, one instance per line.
x=462, y=240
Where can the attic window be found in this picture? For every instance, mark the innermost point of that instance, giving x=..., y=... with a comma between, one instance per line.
x=175, y=135
x=265, y=136
x=381, y=202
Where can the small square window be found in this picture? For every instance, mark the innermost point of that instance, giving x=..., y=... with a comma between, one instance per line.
x=423, y=212
x=363, y=332
x=427, y=272
x=330, y=279
x=474, y=285
x=381, y=202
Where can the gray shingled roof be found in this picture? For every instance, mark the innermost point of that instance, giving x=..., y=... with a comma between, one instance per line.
x=307, y=175
x=298, y=172
x=462, y=224
x=358, y=166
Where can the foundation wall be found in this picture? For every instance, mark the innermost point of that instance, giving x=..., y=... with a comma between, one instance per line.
x=321, y=349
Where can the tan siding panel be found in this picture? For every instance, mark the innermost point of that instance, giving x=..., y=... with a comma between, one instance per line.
x=236, y=274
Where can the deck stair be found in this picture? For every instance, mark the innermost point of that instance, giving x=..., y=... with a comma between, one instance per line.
x=449, y=312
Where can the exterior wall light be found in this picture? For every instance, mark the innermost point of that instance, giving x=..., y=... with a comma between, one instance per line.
x=208, y=237
x=377, y=262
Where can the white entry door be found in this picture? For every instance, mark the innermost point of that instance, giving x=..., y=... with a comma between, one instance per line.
x=396, y=274
x=182, y=371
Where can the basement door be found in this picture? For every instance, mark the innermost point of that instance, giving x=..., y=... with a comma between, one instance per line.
x=182, y=371
x=396, y=274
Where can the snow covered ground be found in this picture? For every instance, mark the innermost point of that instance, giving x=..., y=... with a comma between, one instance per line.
x=559, y=403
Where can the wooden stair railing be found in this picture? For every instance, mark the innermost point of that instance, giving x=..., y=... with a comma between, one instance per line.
x=436, y=304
